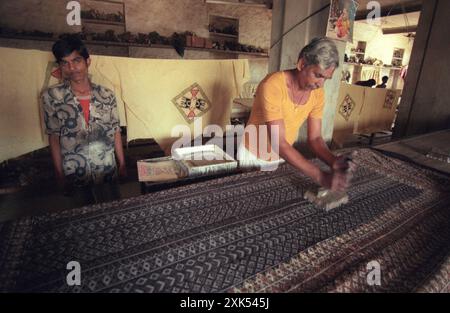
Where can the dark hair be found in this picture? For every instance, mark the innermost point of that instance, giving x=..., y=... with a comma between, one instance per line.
x=385, y=79
x=371, y=82
x=68, y=44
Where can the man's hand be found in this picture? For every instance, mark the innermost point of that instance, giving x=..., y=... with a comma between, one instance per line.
x=343, y=163
x=60, y=181
x=335, y=181
x=123, y=171
x=118, y=147
x=63, y=186
x=339, y=178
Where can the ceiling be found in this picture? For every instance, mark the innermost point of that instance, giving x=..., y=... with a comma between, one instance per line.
x=399, y=20
x=384, y=3
x=361, y=8
x=389, y=7
x=396, y=14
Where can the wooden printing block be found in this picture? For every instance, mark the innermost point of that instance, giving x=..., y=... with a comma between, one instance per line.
x=326, y=199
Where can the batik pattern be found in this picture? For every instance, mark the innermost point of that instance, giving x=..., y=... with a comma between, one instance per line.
x=347, y=107
x=250, y=232
x=87, y=148
x=192, y=103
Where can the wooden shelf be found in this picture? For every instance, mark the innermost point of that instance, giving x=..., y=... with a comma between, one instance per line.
x=124, y=44
x=28, y=38
x=263, y=55
x=109, y=1
x=368, y=65
x=256, y=5
x=223, y=35
x=102, y=22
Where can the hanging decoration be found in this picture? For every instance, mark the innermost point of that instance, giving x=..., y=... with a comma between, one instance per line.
x=342, y=19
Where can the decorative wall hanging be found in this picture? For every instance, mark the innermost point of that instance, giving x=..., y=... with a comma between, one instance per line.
x=346, y=108
x=341, y=20
x=390, y=99
x=192, y=103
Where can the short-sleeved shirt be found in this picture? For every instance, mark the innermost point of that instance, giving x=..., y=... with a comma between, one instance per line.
x=272, y=103
x=87, y=148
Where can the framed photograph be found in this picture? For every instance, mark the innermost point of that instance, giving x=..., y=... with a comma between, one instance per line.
x=342, y=19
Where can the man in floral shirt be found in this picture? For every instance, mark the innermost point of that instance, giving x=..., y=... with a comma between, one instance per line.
x=82, y=121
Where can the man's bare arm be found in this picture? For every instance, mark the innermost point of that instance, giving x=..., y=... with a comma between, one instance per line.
x=118, y=147
x=289, y=153
x=317, y=144
x=320, y=148
x=55, y=150
x=335, y=180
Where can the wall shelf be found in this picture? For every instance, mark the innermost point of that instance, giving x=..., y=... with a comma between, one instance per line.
x=223, y=35
x=98, y=13
x=241, y=3
x=124, y=44
x=256, y=54
x=397, y=58
x=377, y=66
x=102, y=22
x=223, y=28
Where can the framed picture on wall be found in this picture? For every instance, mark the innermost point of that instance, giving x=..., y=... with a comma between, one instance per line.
x=341, y=20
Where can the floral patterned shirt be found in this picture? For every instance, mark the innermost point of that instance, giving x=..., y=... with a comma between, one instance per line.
x=87, y=148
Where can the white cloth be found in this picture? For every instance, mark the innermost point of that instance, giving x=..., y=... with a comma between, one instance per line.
x=249, y=161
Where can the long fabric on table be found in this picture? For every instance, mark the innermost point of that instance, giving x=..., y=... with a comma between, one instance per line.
x=250, y=232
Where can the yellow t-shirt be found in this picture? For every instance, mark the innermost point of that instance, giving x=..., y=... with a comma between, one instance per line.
x=272, y=102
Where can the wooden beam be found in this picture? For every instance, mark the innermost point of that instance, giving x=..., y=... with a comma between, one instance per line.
x=400, y=30
x=396, y=9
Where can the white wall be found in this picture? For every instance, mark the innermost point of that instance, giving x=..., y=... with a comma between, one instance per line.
x=378, y=45
x=425, y=105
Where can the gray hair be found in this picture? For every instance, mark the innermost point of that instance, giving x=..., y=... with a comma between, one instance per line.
x=322, y=52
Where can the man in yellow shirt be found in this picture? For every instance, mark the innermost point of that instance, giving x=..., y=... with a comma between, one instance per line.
x=283, y=102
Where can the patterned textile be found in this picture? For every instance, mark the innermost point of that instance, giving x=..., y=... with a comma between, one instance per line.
x=347, y=107
x=251, y=232
x=87, y=149
x=192, y=103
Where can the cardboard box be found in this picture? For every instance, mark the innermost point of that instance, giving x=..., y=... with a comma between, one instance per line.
x=159, y=170
x=188, y=41
x=198, y=42
x=204, y=160
x=186, y=162
x=208, y=44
